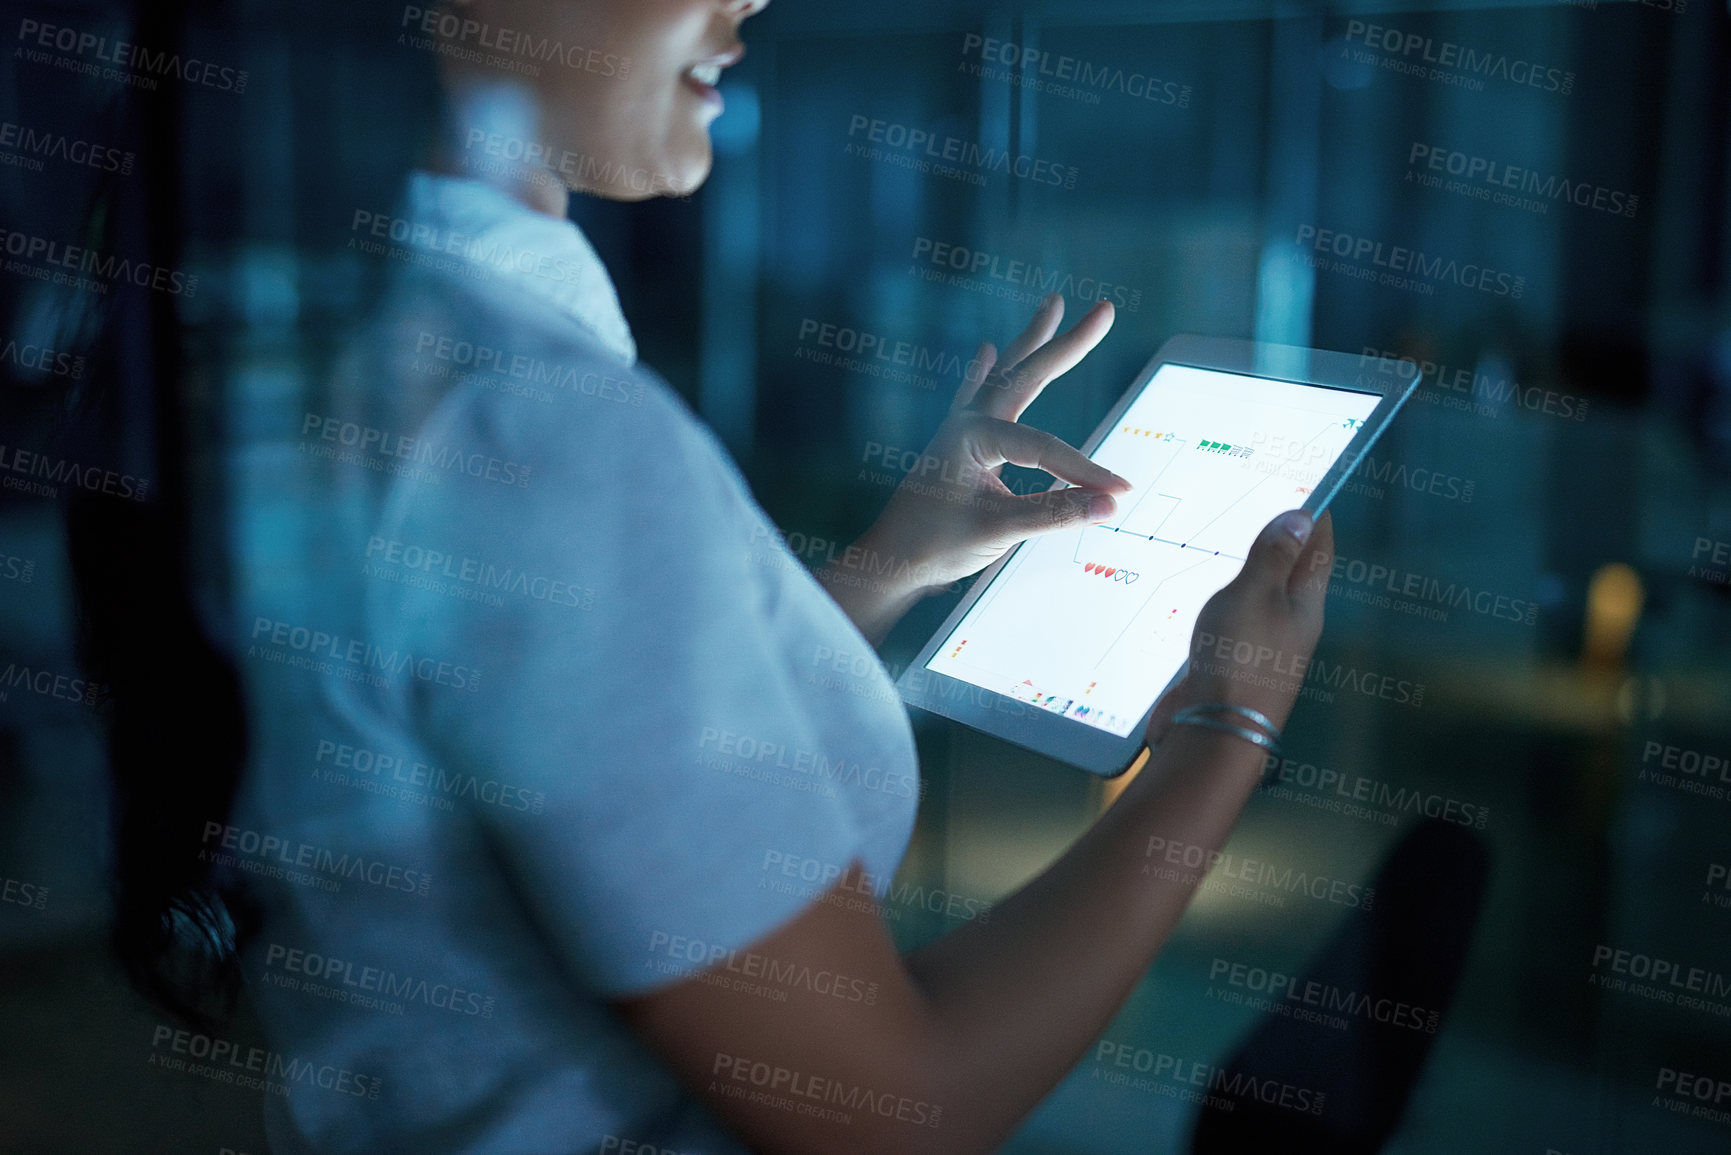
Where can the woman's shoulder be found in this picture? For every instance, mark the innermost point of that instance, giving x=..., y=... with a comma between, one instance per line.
x=520, y=367
x=514, y=403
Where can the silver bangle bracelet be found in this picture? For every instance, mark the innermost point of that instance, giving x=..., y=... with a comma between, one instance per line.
x=1256, y=717
x=1198, y=716
x=1262, y=740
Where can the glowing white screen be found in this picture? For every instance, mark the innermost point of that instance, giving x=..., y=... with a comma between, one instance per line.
x=1092, y=623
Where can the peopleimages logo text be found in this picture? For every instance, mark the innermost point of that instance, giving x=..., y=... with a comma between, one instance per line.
x=45, y=259
x=970, y=268
x=1406, y=264
x=149, y=64
x=929, y=149
x=1355, y=575
x=1416, y=49
x=456, y=31
x=286, y=637
x=242, y=845
x=1492, y=180
x=282, y=1071
x=31, y=472
x=41, y=359
x=1327, y=998
x=32, y=145
x=1481, y=391
x=1287, y=776
x=1065, y=76
x=367, y=986
x=378, y=448
x=462, y=360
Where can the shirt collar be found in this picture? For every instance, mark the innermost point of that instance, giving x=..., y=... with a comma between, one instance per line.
x=527, y=250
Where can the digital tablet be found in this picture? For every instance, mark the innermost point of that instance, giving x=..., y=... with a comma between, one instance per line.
x=1064, y=645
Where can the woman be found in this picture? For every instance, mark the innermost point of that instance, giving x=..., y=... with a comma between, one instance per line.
x=538, y=741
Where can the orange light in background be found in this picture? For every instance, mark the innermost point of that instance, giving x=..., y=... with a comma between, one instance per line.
x=1615, y=596
x=1113, y=787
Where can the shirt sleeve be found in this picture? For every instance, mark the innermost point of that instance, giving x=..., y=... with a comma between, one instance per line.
x=632, y=621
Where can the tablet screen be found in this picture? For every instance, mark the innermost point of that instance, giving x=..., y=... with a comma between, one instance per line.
x=1092, y=623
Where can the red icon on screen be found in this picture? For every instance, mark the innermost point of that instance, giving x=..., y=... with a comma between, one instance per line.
x=1111, y=571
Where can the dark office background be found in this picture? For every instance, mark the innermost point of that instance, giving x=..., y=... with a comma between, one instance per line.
x=1572, y=451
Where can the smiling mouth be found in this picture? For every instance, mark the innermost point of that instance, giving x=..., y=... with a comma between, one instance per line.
x=706, y=74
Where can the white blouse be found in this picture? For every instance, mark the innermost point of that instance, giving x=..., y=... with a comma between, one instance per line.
x=544, y=714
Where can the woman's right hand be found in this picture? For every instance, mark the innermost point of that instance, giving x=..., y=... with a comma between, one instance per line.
x=971, y=1031
x=1254, y=639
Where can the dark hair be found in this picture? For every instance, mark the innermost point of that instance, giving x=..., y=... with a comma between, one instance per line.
x=176, y=740
x=174, y=724
x=149, y=577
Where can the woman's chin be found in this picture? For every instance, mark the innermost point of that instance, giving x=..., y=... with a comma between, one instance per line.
x=686, y=175
x=677, y=168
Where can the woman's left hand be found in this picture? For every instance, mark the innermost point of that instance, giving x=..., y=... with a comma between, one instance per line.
x=953, y=515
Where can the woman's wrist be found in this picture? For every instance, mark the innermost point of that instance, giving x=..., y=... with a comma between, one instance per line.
x=1242, y=722
x=1202, y=751
x=1274, y=696
x=874, y=585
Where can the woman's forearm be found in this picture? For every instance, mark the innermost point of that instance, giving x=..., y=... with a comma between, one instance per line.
x=975, y=1028
x=873, y=586
x=1013, y=1004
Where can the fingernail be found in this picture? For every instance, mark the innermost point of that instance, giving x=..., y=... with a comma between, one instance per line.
x=1124, y=482
x=1297, y=524
x=1101, y=506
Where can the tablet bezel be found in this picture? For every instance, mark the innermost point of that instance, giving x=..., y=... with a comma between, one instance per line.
x=1077, y=743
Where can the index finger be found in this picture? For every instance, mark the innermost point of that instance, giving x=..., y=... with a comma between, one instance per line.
x=1039, y=331
x=1006, y=441
x=1009, y=391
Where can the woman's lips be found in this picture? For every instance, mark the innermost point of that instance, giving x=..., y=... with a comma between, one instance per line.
x=705, y=89
x=703, y=77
